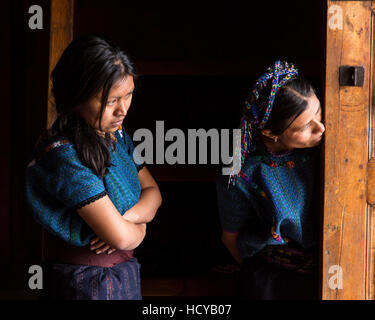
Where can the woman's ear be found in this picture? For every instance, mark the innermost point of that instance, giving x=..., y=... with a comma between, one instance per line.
x=268, y=134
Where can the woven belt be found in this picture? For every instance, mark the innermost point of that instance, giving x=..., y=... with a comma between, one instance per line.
x=59, y=251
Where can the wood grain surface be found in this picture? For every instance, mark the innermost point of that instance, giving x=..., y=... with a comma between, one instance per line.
x=61, y=34
x=345, y=225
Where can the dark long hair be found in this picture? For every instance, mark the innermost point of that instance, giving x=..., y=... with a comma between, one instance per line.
x=88, y=65
x=290, y=101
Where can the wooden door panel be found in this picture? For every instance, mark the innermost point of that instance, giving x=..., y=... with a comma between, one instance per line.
x=370, y=270
x=346, y=212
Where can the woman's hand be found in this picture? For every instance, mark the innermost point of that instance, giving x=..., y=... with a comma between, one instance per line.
x=110, y=227
x=100, y=246
x=230, y=241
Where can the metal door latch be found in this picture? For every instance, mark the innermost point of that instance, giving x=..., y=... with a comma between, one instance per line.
x=352, y=76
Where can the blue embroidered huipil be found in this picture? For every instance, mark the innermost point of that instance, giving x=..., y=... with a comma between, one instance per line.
x=58, y=183
x=270, y=202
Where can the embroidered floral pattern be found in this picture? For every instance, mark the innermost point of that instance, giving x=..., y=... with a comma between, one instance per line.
x=280, y=162
x=290, y=164
x=120, y=131
x=273, y=164
x=254, y=186
x=276, y=236
x=47, y=149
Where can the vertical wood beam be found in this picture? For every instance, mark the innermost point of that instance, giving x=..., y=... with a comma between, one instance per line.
x=370, y=281
x=346, y=153
x=61, y=34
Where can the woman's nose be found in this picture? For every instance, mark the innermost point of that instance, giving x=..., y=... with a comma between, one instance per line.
x=321, y=127
x=122, y=108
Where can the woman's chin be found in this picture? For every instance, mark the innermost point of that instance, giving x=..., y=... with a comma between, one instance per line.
x=111, y=129
x=316, y=143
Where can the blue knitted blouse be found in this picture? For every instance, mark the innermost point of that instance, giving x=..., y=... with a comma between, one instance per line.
x=270, y=202
x=57, y=184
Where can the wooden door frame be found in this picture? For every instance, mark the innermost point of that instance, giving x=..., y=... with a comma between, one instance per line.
x=347, y=222
x=61, y=34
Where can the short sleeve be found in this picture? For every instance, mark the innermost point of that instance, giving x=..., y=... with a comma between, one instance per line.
x=132, y=151
x=66, y=178
x=233, y=204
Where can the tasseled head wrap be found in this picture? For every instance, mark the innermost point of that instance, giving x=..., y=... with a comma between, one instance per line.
x=280, y=74
x=257, y=116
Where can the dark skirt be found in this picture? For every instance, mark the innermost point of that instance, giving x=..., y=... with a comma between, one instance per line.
x=262, y=279
x=84, y=282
